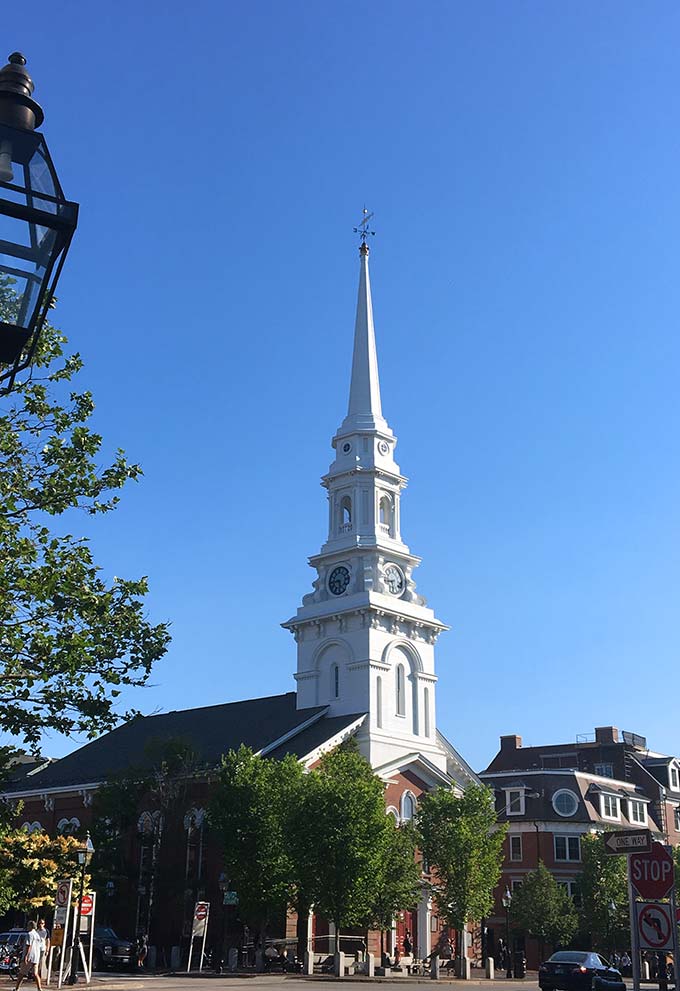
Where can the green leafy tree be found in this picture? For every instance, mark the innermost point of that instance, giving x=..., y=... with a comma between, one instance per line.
x=604, y=895
x=463, y=845
x=251, y=809
x=32, y=866
x=543, y=909
x=398, y=879
x=339, y=837
x=69, y=639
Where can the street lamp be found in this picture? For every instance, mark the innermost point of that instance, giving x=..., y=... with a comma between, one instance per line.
x=85, y=852
x=37, y=222
x=507, y=900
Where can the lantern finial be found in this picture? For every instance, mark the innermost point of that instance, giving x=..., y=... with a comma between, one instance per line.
x=17, y=109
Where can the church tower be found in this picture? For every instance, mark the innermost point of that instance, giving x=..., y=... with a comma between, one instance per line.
x=365, y=637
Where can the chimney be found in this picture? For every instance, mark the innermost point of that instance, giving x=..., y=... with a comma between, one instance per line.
x=606, y=734
x=510, y=743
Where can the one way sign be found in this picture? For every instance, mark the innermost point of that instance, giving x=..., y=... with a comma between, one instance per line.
x=628, y=841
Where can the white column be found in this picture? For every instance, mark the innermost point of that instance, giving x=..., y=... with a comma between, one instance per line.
x=424, y=917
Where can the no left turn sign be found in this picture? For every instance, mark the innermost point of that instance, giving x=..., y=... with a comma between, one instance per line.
x=62, y=894
x=655, y=925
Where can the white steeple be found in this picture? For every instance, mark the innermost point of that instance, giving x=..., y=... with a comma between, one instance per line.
x=364, y=411
x=365, y=637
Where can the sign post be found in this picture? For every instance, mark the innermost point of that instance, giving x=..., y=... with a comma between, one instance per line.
x=199, y=930
x=87, y=912
x=60, y=930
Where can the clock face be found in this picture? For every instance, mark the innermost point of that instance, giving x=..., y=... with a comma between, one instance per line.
x=394, y=579
x=383, y=447
x=338, y=580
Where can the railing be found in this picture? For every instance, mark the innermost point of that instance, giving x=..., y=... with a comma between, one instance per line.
x=385, y=527
x=345, y=528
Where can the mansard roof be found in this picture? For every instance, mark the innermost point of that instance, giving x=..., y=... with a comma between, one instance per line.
x=272, y=724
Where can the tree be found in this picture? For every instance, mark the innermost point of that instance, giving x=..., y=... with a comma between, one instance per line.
x=398, y=880
x=251, y=808
x=543, y=909
x=462, y=842
x=339, y=837
x=69, y=640
x=32, y=866
x=604, y=895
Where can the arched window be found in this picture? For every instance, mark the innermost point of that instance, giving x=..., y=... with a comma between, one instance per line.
x=335, y=681
x=426, y=708
x=408, y=806
x=378, y=702
x=32, y=827
x=391, y=811
x=345, y=514
x=68, y=827
x=400, y=690
x=385, y=513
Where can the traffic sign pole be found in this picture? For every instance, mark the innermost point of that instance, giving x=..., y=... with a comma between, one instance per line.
x=634, y=940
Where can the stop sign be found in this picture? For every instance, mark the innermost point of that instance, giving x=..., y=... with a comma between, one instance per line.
x=652, y=873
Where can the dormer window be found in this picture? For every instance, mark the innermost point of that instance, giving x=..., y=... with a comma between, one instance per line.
x=637, y=811
x=609, y=807
x=514, y=801
x=674, y=777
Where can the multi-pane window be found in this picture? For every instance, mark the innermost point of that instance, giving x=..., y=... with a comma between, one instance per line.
x=605, y=770
x=674, y=779
x=567, y=847
x=515, y=847
x=516, y=883
x=637, y=811
x=610, y=806
x=514, y=802
x=676, y=816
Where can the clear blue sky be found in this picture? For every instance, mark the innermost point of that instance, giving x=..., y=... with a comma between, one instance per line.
x=523, y=162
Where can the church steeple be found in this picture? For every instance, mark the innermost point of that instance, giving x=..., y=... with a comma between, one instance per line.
x=364, y=411
x=365, y=637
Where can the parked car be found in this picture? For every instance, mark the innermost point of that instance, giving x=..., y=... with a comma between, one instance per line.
x=12, y=946
x=577, y=970
x=109, y=950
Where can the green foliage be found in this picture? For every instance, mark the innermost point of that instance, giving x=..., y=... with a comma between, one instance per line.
x=32, y=866
x=604, y=895
x=543, y=909
x=462, y=842
x=398, y=876
x=251, y=808
x=70, y=640
x=339, y=834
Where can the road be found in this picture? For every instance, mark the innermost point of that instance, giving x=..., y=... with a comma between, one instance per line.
x=276, y=982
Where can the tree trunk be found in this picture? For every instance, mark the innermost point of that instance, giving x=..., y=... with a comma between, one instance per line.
x=301, y=929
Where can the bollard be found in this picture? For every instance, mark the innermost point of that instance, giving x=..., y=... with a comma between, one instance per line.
x=434, y=968
x=465, y=968
x=308, y=963
x=233, y=959
x=339, y=962
x=490, y=968
x=370, y=965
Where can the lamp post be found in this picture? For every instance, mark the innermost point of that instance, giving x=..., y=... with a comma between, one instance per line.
x=37, y=222
x=85, y=853
x=507, y=900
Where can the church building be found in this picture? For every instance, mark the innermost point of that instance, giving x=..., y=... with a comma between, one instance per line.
x=365, y=640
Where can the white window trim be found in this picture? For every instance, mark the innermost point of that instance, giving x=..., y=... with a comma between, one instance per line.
x=566, y=837
x=638, y=822
x=671, y=768
x=522, y=801
x=615, y=798
x=572, y=794
x=511, y=837
x=603, y=774
x=408, y=794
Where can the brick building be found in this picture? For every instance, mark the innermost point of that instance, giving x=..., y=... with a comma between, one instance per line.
x=552, y=795
x=365, y=642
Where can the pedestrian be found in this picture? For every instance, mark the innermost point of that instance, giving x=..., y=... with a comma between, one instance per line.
x=45, y=949
x=142, y=950
x=31, y=958
x=408, y=945
x=625, y=963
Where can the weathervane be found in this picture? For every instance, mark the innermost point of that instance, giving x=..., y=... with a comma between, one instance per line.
x=363, y=228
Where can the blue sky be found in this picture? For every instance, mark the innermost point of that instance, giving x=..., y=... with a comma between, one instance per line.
x=523, y=163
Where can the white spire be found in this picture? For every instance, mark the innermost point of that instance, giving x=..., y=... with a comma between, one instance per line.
x=364, y=411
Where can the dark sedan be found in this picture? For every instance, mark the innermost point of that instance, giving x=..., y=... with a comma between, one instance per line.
x=576, y=970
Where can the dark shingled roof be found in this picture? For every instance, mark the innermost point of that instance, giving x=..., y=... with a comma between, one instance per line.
x=316, y=734
x=210, y=731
